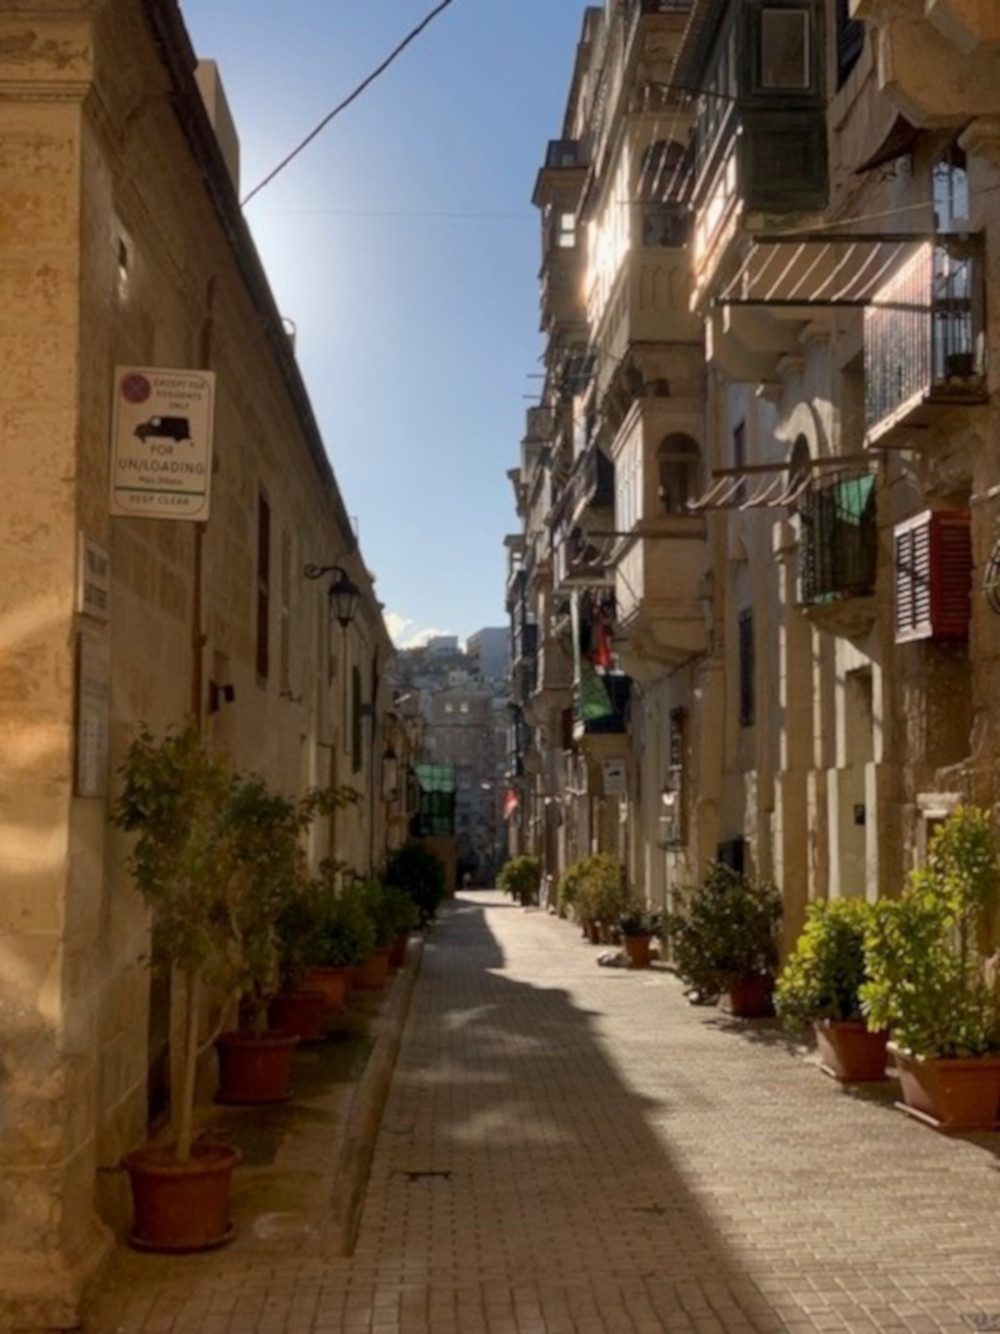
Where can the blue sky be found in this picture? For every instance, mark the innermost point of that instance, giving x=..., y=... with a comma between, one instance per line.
x=416, y=334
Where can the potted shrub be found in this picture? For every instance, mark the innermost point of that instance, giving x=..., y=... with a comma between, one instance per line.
x=600, y=894
x=176, y=798
x=637, y=925
x=929, y=980
x=521, y=878
x=820, y=985
x=344, y=936
x=372, y=972
x=566, y=891
x=725, y=935
x=403, y=917
x=419, y=873
x=299, y=1008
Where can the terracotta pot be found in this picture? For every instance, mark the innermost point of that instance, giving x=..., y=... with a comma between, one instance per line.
x=334, y=982
x=637, y=949
x=397, y=952
x=593, y=932
x=181, y=1206
x=750, y=997
x=303, y=1013
x=850, y=1053
x=254, y=1069
x=373, y=974
x=950, y=1093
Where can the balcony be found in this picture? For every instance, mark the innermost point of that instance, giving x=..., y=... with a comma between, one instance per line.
x=658, y=590
x=591, y=483
x=838, y=555
x=577, y=563
x=524, y=641
x=561, y=289
x=925, y=341
x=600, y=706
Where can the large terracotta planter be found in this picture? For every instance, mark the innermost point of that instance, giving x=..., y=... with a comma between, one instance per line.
x=950, y=1093
x=303, y=1013
x=181, y=1206
x=750, y=997
x=397, y=951
x=637, y=950
x=373, y=974
x=334, y=982
x=849, y=1052
x=254, y=1069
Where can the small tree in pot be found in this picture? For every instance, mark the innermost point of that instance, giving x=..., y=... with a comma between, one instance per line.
x=344, y=937
x=821, y=983
x=637, y=925
x=178, y=800
x=930, y=981
x=725, y=934
x=521, y=878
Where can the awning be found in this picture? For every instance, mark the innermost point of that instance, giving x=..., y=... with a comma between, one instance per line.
x=769, y=485
x=818, y=269
x=900, y=139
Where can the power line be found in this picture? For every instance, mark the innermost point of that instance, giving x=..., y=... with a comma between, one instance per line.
x=393, y=213
x=351, y=97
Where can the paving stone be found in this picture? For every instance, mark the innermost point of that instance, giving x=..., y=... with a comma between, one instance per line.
x=567, y=1149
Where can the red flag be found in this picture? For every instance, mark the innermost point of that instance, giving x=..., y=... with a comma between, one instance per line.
x=603, y=653
x=511, y=801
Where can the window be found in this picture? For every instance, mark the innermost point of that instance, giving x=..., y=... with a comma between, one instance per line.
x=784, y=49
x=677, y=463
x=263, y=584
x=850, y=41
x=746, y=682
x=566, y=236
x=740, y=457
x=950, y=181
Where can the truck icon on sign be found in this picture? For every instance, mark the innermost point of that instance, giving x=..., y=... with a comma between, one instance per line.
x=165, y=428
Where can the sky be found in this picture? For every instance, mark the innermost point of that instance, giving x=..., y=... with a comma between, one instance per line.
x=403, y=245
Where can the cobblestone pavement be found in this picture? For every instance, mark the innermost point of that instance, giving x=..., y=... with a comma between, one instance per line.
x=568, y=1148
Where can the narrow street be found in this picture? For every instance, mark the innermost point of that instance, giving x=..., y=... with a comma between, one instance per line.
x=568, y=1148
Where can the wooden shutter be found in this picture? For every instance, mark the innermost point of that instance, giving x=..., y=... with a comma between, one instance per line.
x=263, y=584
x=933, y=573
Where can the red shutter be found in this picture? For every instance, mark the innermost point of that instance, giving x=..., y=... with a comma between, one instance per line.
x=933, y=571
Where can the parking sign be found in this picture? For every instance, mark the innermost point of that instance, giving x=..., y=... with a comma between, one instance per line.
x=161, y=443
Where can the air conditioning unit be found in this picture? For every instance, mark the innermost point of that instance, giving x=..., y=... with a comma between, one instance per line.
x=932, y=574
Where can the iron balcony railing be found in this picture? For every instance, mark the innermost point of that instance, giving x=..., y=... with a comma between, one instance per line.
x=925, y=335
x=839, y=543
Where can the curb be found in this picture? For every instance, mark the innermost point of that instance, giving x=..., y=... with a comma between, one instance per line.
x=356, y=1147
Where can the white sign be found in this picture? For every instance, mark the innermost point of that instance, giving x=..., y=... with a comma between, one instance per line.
x=93, y=706
x=93, y=587
x=613, y=772
x=161, y=443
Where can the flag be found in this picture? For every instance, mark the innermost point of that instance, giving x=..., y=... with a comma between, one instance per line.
x=511, y=801
x=594, y=700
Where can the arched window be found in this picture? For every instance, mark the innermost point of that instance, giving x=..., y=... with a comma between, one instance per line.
x=799, y=472
x=677, y=460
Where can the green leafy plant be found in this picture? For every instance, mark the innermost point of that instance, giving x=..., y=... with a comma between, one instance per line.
x=178, y=800
x=824, y=973
x=928, y=975
x=566, y=890
x=640, y=920
x=345, y=932
x=602, y=892
x=419, y=873
x=725, y=929
x=520, y=878
x=376, y=903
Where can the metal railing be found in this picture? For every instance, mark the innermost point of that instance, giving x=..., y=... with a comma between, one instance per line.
x=839, y=546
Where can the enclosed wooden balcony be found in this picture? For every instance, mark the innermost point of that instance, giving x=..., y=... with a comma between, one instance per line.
x=925, y=341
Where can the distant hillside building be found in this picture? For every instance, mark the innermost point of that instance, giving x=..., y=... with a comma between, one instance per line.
x=489, y=652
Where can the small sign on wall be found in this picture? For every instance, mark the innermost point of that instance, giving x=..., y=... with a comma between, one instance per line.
x=93, y=589
x=161, y=443
x=93, y=709
x=613, y=776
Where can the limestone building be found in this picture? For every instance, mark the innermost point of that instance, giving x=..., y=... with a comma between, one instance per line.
x=122, y=245
x=782, y=494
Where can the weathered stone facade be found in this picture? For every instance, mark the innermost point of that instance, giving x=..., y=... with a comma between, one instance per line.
x=122, y=243
x=794, y=705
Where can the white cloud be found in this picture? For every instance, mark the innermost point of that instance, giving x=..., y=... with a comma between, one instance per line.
x=404, y=632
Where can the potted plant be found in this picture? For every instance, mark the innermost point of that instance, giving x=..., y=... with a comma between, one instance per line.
x=403, y=918
x=419, y=873
x=372, y=972
x=176, y=798
x=820, y=984
x=600, y=894
x=637, y=925
x=344, y=936
x=521, y=877
x=725, y=935
x=566, y=891
x=297, y=1007
x=929, y=979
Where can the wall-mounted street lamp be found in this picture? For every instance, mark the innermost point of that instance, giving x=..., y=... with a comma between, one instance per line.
x=343, y=594
x=390, y=773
